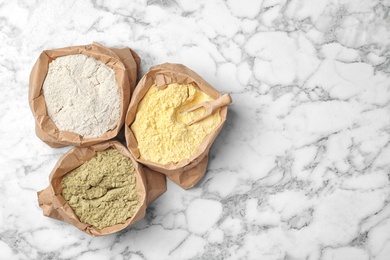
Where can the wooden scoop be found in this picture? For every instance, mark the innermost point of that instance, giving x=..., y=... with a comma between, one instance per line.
x=210, y=106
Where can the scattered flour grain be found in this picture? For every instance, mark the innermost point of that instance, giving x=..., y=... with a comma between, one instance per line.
x=82, y=95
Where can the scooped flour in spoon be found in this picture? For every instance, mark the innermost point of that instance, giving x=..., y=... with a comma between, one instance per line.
x=82, y=95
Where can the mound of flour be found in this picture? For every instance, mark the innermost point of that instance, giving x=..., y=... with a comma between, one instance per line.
x=82, y=95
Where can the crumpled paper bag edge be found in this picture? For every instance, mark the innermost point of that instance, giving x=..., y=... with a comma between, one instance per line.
x=54, y=205
x=126, y=69
x=169, y=73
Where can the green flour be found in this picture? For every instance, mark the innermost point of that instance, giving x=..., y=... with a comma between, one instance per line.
x=102, y=192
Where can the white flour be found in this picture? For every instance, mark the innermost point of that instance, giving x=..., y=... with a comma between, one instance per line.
x=82, y=95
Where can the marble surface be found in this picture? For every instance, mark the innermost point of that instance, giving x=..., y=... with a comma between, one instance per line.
x=301, y=170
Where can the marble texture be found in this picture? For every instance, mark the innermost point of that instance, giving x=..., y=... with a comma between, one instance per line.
x=301, y=170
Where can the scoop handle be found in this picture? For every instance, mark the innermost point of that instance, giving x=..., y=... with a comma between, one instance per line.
x=223, y=100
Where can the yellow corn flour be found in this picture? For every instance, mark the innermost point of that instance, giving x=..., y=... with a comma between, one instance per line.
x=102, y=191
x=163, y=129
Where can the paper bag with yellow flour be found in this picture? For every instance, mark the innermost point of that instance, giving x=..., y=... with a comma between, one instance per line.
x=79, y=95
x=173, y=118
x=100, y=189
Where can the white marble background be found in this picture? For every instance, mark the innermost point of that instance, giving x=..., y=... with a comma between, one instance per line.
x=300, y=171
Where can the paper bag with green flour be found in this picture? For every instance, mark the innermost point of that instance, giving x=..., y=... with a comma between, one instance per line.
x=173, y=118
x=100, y=189
x=87, y=93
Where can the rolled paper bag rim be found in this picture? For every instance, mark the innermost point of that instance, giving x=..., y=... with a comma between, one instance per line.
x=55, y=206
x=161, y=75
x=125, y=66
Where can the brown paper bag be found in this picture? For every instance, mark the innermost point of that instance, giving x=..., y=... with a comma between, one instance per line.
x=150, y=185
x=125, y=64
x=188, y=172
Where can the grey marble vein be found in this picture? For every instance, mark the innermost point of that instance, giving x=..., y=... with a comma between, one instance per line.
x=301, y=169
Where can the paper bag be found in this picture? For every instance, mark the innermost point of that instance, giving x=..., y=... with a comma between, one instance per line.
x=150, y=185
x=188, y=172
x=125, y=64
